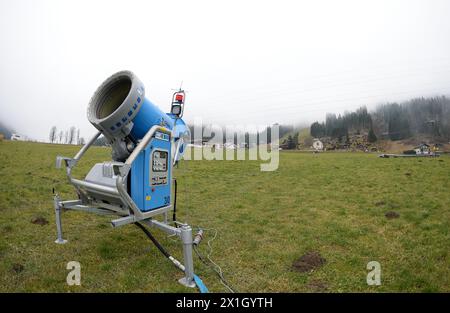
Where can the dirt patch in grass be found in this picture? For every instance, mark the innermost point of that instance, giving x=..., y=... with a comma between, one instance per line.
x=392, y=214
x=380, y=203
x=408, y=174
x=17, y=268
x=308, y=262
x=39, y=220
x=317, y=285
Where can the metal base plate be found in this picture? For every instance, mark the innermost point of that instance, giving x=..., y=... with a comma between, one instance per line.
x=61, y=241
x=185, y=283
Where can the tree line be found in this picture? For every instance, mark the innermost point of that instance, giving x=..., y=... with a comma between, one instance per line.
x=263, y=136
x=394, y=121
x=68, y=136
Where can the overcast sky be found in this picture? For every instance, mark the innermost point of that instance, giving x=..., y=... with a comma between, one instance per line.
x=241, y=61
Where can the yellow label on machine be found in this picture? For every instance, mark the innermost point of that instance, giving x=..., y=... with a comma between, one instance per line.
x=148, y=198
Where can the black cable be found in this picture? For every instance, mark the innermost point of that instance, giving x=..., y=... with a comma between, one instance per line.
x=174, y=217
x=153, y=239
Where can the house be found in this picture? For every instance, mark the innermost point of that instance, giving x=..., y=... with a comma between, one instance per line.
x=422, y=149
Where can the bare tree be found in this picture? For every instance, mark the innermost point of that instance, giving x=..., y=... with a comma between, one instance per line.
x=82, y=141
x=72, y=134
x=66, y=137
x=52, y=135
x=78, y=136
x=60, y=136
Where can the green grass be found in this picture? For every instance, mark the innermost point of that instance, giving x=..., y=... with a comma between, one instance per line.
x=333, y=203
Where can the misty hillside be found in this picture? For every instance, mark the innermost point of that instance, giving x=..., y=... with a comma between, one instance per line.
x=5, y=130
x=425, y=118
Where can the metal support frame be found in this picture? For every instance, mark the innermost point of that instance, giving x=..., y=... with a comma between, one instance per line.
x=57, y=205
x=186, y=238
x=131, y=213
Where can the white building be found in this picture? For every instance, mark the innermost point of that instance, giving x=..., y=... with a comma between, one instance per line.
x=17, y=137
x=422, y=149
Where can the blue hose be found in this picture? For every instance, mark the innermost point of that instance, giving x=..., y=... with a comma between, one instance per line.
x=201, y=286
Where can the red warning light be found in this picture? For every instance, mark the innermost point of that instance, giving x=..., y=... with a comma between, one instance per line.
x=179, y=97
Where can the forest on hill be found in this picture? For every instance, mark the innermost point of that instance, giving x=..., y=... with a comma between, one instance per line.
x=425, y=117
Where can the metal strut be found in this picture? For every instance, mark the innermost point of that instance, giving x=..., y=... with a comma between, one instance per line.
x=56, y=202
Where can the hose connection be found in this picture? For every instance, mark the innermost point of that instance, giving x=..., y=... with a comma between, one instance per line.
x=198, y=237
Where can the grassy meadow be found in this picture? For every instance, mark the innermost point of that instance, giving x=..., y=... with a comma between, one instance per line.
x=331, y=203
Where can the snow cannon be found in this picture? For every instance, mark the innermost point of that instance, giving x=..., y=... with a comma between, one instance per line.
x=136, y=185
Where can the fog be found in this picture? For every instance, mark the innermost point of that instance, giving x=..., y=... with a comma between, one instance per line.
x=241, y=62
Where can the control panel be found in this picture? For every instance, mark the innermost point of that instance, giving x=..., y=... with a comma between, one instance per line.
x=153, y=168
